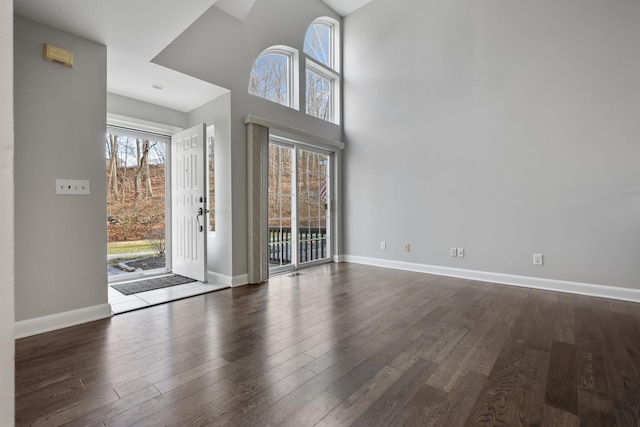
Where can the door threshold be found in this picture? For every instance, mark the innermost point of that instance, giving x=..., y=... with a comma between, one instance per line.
x=129, y=277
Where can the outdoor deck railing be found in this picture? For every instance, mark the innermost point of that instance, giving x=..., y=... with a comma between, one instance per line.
x=312, y=244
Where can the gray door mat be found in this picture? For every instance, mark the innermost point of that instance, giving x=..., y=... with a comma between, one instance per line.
x=151, y=284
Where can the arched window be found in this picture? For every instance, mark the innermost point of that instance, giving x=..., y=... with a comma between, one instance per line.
x=321, y=46
x=318, y=42
x=273, y=77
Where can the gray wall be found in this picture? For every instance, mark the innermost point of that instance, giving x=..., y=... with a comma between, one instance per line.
x=6, y=217
x=221, y=50
x=124, y=106
x=59, y=133
x=507, y=128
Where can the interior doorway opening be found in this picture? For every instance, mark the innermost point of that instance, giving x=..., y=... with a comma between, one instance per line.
x=136, y=168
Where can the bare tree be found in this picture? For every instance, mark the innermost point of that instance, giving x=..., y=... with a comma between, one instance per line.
x=112, y=150
x=270, y=78
x=142, y=170
x=318, y=96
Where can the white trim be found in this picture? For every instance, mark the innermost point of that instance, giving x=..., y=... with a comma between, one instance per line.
x=138, y=275
x=293, y=81
x=231, y=281
x=240, y=280
x=334, y=80
x=339, y=258
x=141, y=125
x=335, y=42
x=40, y=325
x=307, y=137
x=218, y=278
x=612, y=292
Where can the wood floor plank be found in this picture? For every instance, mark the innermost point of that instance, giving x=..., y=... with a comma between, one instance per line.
x=422, y=409
x=301, y=402
x=250, y=408
x=554, y=417
x=360, y=400
x=179, y=402
x=591, y=370
x=311, y=413
x=459, y=403
x=562, y=384
x=622, y=378
x=389, y=406
x=564, y=330
x=112, y=409
x=596, y=409
x=343, y=344
x=68, y=411
x=457, y=365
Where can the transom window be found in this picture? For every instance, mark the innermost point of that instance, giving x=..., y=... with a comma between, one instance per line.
x=272, y=76
x=322, y=73
x=318, y=42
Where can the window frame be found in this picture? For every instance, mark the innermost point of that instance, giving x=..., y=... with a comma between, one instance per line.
x=292, y=75
x=334, y=54
x=331, y=73
x=334, y=89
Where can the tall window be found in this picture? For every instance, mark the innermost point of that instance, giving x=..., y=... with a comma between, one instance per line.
x=273, y=78
x=322, y=70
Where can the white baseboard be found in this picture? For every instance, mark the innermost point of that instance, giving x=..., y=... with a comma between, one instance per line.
x=240, y=280
x=231, y=281
x=40, y=325
x=218, y=278
x=613, y=292
x=338, y=258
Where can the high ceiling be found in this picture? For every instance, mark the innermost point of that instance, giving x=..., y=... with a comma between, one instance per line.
x=155, y=24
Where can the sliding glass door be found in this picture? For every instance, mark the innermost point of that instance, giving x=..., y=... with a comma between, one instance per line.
x=299, y=206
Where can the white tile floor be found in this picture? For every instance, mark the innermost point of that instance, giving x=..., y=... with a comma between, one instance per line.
x=122, y=303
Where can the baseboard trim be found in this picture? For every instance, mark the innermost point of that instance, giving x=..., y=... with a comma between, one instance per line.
x=231, y=281
x=240, y=280
x=40, y=325
x=217, y=278
x=587, y=289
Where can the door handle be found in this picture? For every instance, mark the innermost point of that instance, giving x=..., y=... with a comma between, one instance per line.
x=200, y=213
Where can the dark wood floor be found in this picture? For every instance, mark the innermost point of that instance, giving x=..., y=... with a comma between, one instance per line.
x=340, y=345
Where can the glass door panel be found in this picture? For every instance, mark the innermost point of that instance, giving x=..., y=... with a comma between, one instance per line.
x=281, y=192
x=313, y=206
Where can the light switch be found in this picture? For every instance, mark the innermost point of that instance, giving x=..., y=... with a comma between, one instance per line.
x=75, y=187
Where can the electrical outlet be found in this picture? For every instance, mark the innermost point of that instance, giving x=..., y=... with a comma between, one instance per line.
x=538, y=259
x=383, y=245
x=72, y=186
x=453, y=252
x=407, y=248
x=460, y=252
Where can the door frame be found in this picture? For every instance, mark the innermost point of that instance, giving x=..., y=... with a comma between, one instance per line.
x=295, y=259
x=133, y=128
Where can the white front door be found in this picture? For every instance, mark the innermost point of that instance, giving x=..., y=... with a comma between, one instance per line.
x=189, y=203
